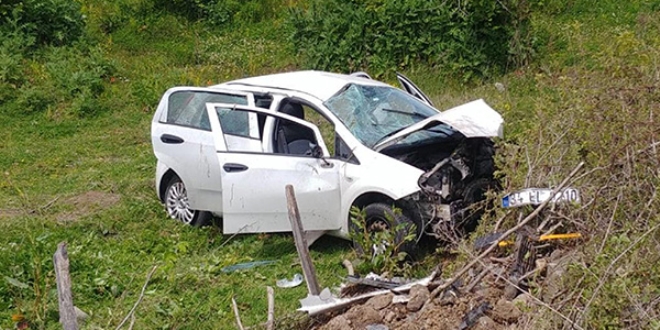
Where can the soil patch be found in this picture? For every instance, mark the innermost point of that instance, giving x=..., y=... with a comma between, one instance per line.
x=86, y=204
x=10, y=213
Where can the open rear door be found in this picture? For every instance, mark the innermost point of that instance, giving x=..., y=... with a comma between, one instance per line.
x=254, y=177
x=412, y=89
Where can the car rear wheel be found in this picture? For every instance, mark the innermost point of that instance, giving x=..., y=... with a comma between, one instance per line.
x=379, y=217
x=178, y=208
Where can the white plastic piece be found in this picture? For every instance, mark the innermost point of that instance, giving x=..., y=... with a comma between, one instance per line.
x=294, y=282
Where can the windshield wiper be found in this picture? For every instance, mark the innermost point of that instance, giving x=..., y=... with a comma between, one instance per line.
x=415, y=114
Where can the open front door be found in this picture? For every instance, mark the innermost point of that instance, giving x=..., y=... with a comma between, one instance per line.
x=255, y=171
x=412, y=89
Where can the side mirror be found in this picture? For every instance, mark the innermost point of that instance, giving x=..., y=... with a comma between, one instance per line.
x=317, y=152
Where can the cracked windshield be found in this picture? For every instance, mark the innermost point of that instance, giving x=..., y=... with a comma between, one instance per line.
x=373, y=113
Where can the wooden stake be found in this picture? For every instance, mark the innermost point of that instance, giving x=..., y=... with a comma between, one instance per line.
x=64, y=296
x=271, y=308
x=301, y=243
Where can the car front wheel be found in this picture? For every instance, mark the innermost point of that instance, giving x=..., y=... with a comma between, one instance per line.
x=178, y=208
x=380, y=217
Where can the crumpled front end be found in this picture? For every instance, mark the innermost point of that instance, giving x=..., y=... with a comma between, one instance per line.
x=453, y=190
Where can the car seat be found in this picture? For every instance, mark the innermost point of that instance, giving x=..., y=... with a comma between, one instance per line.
x=293, y=138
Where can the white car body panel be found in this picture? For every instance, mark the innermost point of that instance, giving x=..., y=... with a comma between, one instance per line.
x=254, y=200
x=194, y=160
x=321, y=85
x=473, y=119
x=376, y=173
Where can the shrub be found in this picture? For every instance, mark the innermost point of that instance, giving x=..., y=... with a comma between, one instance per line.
x=52, y=22
x=12, y=76
x=465, y=37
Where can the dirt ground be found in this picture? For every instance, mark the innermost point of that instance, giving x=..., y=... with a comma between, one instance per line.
x=476, y=303
x=86, y=204
x=71, y=208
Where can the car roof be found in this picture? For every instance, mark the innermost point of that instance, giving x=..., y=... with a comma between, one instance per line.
x=319, y=84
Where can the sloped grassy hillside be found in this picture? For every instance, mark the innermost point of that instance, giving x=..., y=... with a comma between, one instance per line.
x=77, y=165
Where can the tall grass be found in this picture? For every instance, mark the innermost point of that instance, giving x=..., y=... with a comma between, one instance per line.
x=75, y=118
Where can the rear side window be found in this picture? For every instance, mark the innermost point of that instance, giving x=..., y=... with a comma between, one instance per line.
x=188, y=108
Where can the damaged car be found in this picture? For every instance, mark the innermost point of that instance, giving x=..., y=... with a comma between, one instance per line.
x=341, y=140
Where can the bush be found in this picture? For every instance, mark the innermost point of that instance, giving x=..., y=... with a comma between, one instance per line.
x=51, y=22
x=465, y=37
x=68, y=84
x=12, y=76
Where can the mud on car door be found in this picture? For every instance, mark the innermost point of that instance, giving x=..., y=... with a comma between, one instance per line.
x=255, y=173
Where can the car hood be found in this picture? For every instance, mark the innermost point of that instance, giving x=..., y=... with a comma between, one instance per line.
x=473, y=119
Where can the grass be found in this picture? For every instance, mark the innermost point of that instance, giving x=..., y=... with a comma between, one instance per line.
x=591, y=95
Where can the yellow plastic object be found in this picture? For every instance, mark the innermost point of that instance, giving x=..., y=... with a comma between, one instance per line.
x=545, y=238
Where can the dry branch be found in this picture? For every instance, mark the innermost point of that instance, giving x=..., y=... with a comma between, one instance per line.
x=349, y=267
x=601, y=281
x=536, y=300
x=144, y=288
x=494, y=245
x=239, y=324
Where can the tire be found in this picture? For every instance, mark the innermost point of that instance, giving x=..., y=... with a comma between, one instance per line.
x=376, y=220
x=466, y=218
x=178, y=208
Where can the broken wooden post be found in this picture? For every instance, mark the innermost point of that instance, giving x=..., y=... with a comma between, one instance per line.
x=301, y=243
x=64, y=297
x=271, y=308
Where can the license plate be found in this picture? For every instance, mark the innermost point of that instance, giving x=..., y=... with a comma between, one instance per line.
x=536, y=196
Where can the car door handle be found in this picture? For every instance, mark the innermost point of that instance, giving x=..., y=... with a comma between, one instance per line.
x=232, y=167
x=171, y=139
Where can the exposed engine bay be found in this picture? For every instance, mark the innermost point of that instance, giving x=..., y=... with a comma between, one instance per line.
x=457, y=175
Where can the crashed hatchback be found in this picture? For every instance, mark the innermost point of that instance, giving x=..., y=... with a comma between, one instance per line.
x=229, y=150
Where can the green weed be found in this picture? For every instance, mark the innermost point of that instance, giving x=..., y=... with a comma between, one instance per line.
x=380, y=251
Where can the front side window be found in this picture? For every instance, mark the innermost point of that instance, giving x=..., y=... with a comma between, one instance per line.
x=372, y=113
x=243, y=132
x=188, y=108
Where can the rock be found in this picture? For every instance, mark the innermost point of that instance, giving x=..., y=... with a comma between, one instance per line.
x=524, y=300
x=418, y=296
x=338, y=323
x=556, y=268
x=80, y=315
x=541, y=265
x=500, y=87
x=361, y=315
x=506, y=311
x=380, y=302
x=377, y=327
x=485, y=323
x=389, y=317
x=510, y=291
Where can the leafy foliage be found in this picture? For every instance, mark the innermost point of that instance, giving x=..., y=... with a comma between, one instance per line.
x=52, y=22
x=462, y=37
x=381, y=251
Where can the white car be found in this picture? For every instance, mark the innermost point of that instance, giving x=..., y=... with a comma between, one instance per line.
x=229, y=150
